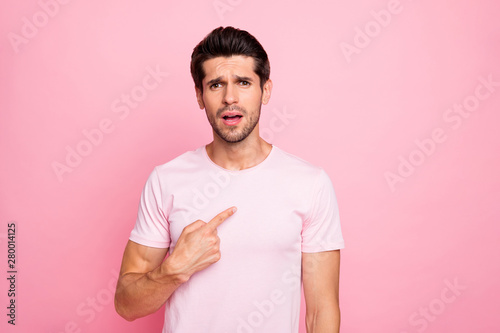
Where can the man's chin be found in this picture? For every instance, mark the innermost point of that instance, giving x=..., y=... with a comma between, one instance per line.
x=234, y=134
x=232, y=139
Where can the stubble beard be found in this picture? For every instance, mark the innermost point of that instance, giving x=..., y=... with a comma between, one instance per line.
x=232, y=134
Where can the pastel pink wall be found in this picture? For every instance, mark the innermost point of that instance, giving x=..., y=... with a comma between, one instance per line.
x=390, y=97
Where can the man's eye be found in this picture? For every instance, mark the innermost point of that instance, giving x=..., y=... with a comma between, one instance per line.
x=215, y=85
x=245, y=83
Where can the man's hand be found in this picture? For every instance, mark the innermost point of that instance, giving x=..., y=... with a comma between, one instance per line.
x=197, y=247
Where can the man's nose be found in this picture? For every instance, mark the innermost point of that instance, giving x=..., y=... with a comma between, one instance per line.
x=230, y=95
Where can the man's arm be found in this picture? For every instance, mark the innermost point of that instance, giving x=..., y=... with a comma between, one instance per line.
x=320, y=278
x=146, y=280
x=138, y=291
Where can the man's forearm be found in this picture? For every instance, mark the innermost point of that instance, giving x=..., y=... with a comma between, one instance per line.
x=323, y=321
x=140, y=294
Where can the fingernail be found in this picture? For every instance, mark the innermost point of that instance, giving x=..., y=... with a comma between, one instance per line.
x=234, y=210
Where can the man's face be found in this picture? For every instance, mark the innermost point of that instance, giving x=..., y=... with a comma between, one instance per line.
x=232, y=97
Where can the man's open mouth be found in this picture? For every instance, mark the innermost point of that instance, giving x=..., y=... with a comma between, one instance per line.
x=231, y=117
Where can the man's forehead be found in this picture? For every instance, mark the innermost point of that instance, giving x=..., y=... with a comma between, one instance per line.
x=234, y=65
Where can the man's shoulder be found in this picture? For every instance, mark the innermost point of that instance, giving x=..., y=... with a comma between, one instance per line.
x=184, y=161
x=294, y=164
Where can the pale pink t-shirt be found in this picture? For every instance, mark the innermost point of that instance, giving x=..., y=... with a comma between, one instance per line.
x=286, y=206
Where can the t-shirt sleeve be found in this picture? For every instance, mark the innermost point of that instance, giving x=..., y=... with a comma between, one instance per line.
x=321, y=229
x=151, y=227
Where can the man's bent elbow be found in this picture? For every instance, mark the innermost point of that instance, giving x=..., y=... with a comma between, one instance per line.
x=122, y=311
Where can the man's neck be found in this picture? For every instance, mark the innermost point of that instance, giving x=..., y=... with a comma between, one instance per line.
x=240, y=155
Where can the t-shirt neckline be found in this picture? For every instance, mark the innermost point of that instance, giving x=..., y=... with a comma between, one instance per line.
x=255, y=167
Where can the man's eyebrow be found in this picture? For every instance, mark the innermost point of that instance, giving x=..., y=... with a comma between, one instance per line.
x=237, y=77
x=213, y=81
x=243, y=78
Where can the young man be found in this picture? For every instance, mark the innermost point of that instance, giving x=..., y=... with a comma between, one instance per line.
x=243, y=222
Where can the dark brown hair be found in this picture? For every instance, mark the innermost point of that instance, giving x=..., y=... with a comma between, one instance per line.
x=226, y=42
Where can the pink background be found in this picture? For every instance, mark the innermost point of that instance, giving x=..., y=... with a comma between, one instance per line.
x=358, y=114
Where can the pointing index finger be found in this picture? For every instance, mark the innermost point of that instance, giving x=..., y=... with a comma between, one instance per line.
x=221, y=217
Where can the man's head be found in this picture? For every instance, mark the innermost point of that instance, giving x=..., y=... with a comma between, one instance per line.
x=227, y=42
x=231, y=74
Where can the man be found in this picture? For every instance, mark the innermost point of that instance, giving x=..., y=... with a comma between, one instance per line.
x=243, y=221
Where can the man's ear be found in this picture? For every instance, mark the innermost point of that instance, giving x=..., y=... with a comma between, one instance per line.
x=266, y=91
x=199, y=98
